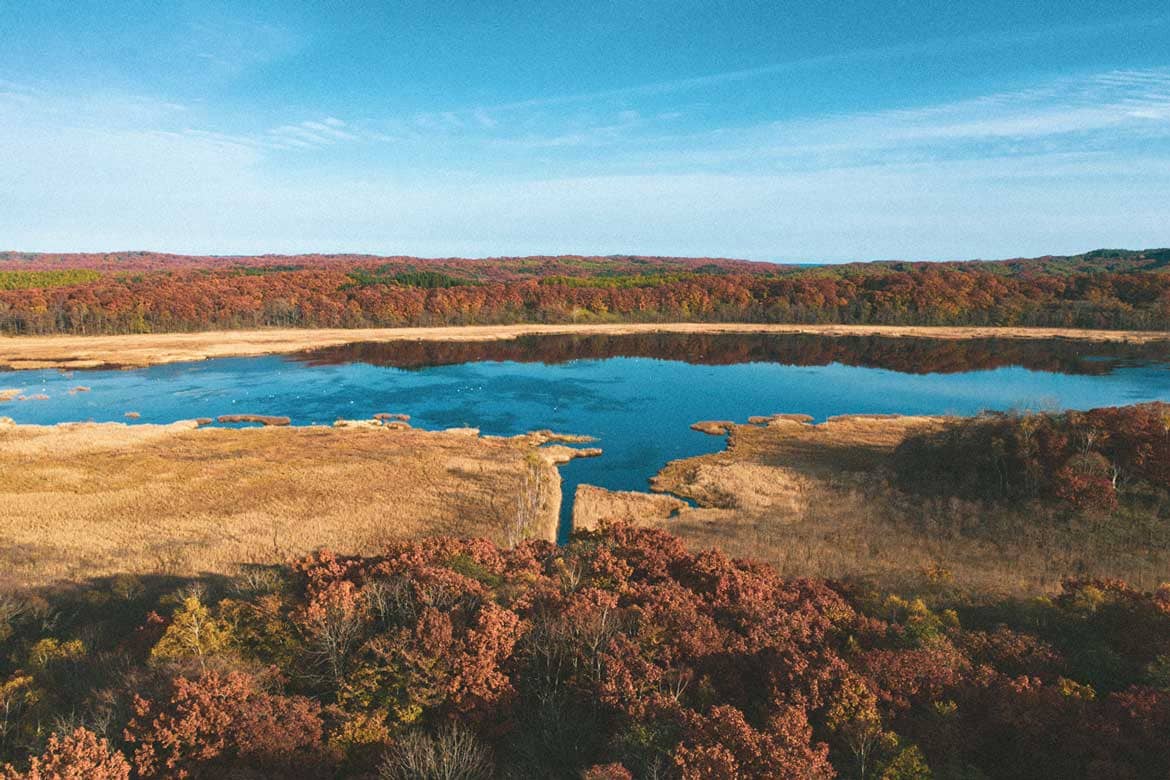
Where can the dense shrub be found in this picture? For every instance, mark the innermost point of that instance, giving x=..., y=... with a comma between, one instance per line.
x=1084, y=460
x=620, y=655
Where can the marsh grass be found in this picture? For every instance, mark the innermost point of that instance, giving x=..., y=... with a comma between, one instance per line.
x=818, y=501
x=86, y=500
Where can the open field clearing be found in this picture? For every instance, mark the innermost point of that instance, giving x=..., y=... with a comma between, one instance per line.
x=86, y=500
x=815, y=500
x=31, y=352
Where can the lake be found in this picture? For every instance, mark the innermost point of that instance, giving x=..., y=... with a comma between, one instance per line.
x=637, y=394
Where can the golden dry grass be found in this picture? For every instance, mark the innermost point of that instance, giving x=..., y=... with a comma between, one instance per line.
x=84, y=500
x=815, y=500
x=592, y=505
x=29, y=352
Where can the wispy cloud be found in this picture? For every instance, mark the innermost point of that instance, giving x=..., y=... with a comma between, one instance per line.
x=948, y=45
x=1066, y=114
x=484, y=119
x=1084, y=114
x=14, y=93
x=1107, y=111
x=231, y=42
x=313, y=134
x=1135, y=99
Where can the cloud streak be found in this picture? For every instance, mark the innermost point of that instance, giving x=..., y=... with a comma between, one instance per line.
x=1092, y=113
x=871, y=54
x=1108, y=111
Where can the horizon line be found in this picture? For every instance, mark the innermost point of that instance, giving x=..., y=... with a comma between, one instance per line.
x=610, y=255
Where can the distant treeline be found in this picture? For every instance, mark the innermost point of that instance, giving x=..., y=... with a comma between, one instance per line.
x=197, y=293
x=621, y=655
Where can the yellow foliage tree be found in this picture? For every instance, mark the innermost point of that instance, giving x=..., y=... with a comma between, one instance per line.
x=193, y=633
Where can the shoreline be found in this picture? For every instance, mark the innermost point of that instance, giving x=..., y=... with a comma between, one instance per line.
x=140, y=350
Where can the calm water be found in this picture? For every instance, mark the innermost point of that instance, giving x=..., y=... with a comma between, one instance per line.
x=639, y=408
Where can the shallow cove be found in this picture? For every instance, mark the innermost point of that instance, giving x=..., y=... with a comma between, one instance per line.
x=637, y=394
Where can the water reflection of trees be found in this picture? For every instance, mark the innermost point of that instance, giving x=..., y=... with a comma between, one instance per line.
x=907, y=355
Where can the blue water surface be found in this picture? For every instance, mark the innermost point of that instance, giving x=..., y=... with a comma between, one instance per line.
x=640, y=409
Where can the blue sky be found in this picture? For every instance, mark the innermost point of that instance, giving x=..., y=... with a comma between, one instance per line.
x=780, y=131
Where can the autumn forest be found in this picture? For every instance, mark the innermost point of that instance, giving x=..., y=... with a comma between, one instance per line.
x=145, y=292
x=619, y=655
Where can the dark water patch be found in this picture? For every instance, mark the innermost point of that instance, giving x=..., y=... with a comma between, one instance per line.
x=912, y=355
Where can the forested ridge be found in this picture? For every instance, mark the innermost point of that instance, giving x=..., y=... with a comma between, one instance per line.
x=618, y=655
x=137, y=292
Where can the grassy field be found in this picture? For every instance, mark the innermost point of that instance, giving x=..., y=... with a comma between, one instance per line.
x=86, y=500
x=815, y=500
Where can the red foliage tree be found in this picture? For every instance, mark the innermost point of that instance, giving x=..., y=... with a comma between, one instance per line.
x=723, y=744
x=81, y=755
x=219, y=721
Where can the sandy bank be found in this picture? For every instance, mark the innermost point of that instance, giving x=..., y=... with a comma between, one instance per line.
x=83, y=499
x=149, y=349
